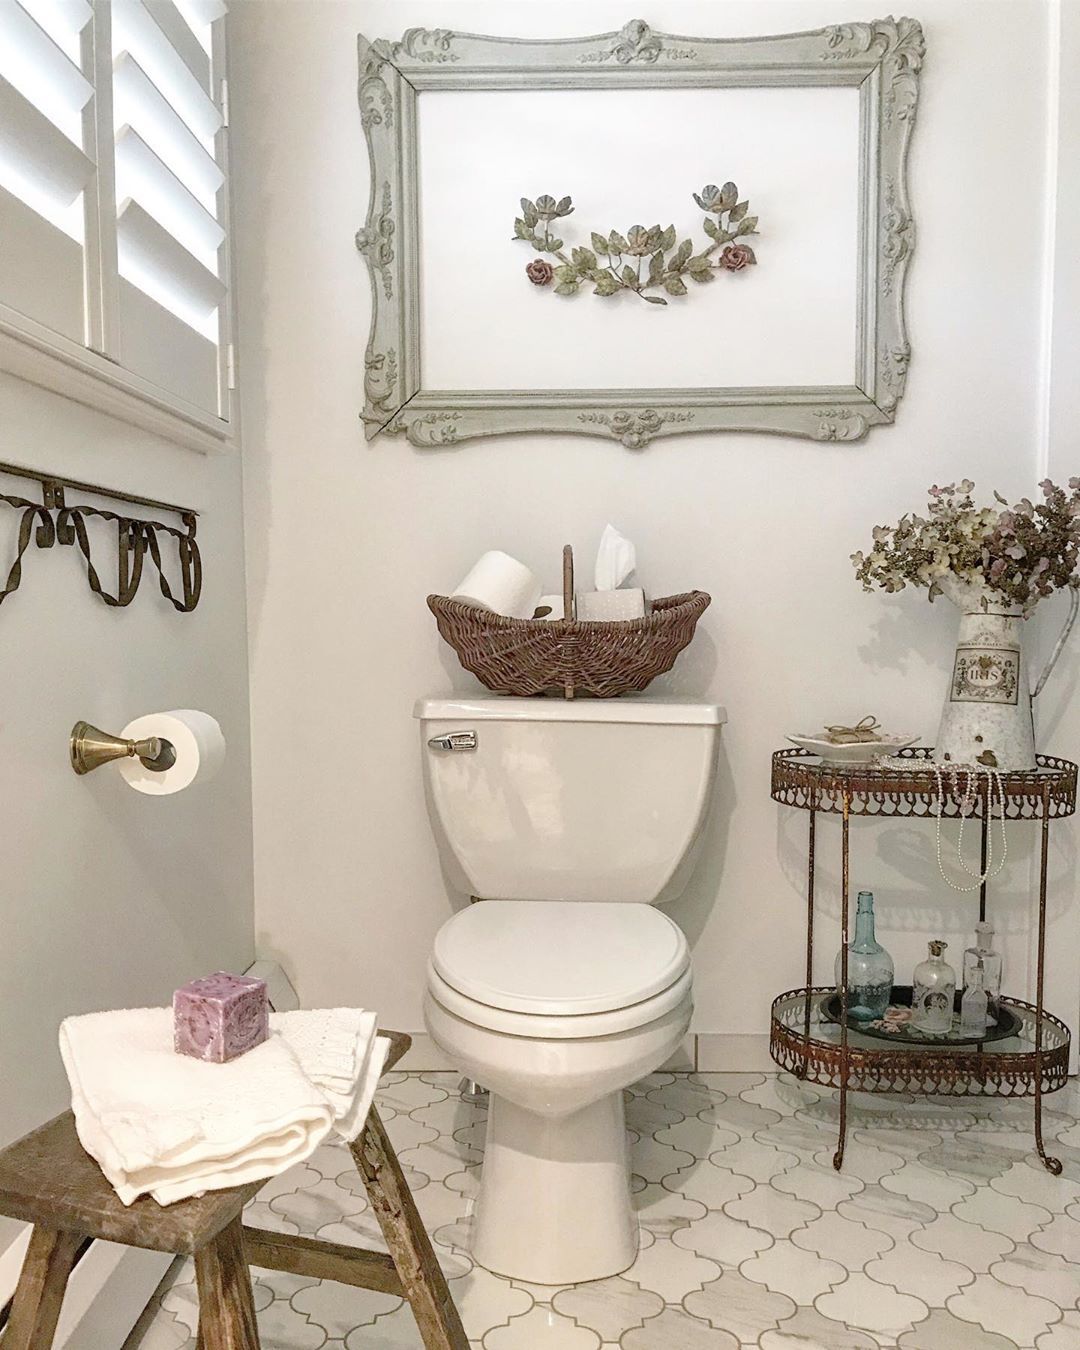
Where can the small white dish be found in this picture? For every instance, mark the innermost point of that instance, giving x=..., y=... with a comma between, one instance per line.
x=858, y=752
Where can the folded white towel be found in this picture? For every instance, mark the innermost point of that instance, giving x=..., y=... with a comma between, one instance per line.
x=170, y=1126
x=341, y=1054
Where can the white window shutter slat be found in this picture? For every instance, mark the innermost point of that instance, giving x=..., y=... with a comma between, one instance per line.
x=34, y=145
x=142, y=175
x=138, y=102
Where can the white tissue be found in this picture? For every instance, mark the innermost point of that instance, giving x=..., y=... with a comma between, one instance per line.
x=197, y=740
x=500, y=583
x=616, y=558
x=609, y=606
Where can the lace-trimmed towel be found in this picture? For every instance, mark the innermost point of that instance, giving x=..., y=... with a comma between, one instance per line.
x=162, y=1124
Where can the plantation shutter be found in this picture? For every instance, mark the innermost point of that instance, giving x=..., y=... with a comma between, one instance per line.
x=170, y=207
x=45, y=167
x=113, y=200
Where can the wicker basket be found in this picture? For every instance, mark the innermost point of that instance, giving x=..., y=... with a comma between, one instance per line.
x=568, y=656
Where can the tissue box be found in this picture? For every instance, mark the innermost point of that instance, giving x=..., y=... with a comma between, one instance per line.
x=220, y=1017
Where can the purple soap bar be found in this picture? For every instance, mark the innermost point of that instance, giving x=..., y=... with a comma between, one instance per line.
x=220, y=1017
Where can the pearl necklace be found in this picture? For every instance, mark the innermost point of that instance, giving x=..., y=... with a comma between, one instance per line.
x=967, y=802
x=995, y=786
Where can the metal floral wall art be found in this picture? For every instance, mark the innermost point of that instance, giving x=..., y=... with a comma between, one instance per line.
x=616, y=262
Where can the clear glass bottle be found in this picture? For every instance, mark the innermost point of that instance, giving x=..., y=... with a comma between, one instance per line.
x=983, y=954
x=973, y=1004
x=870, y=967
x=933, y=992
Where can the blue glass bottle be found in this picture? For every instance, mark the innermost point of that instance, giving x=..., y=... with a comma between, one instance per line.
x=870, y=967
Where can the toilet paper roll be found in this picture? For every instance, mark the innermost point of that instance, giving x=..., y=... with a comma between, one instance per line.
x=554, y=603
x=197, y=740
x=608, y=606
x=502, y=584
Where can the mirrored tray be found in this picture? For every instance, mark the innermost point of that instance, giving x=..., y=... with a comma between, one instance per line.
x=1007, y=1024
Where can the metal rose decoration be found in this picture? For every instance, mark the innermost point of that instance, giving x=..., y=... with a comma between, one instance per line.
x=617, y=262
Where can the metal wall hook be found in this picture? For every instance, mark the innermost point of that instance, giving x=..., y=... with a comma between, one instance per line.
x=61, y=522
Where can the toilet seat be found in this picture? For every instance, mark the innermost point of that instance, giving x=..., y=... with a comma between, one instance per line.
x=545, y=1027
x=560, y=960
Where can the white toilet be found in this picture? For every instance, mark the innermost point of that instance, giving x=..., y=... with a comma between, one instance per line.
x=569, y=820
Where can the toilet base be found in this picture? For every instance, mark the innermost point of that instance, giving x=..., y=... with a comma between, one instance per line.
x=555, y=1205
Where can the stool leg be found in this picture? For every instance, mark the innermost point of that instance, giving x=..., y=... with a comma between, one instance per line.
x=425, y=1285
x=226, y=1306
x=40, y=1292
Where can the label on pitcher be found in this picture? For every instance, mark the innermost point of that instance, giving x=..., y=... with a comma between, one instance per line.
x=986, y=675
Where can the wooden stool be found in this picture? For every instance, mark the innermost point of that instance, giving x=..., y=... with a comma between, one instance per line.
x=48, y=1179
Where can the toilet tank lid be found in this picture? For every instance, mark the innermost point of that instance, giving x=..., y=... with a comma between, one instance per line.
x=655, y=711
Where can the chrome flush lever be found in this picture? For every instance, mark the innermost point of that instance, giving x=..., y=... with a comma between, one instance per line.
x=454, y=740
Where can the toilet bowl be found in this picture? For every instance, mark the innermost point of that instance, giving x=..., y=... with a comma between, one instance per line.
x=562, y=986
x=555, y=1203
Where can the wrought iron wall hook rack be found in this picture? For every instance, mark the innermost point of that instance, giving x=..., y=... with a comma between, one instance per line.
x=55, y=520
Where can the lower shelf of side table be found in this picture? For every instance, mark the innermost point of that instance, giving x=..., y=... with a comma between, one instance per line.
x=1005, y=1068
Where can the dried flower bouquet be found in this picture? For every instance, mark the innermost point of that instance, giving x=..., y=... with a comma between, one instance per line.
x=1022, y=552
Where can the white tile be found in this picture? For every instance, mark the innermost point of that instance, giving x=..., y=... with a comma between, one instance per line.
x=675, y=1329
x=842, y=1240
x=999, y=1307
x=977, y=1248
x=722, y=1239
x=772, y=1211
x=710, y=1186
x=819, y=1183
x=1037, y=1272
x=916, y=1182
x=787, y=1269
x=695, y=1136
x=910, y=1270
x=749, y=1238
x=1030, y=1181
x=808, y=1330
x=608, y=1307
x=337, y=1308
x=486, y=1301
x=540, y=1329
x=739, y=1306
x=1065, y=1335
x=895, y=1215
x=1002, y=1214
x=655, y=1161
x=1061, y=1237
x=751, y=1159
x=663, y=1212
x=860, y=1302
x=671, y=1271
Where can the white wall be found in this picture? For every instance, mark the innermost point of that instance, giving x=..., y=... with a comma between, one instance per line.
x=111, y=898
x=346, y=538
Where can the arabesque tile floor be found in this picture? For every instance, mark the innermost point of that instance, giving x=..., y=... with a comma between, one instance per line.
x=943, y=1232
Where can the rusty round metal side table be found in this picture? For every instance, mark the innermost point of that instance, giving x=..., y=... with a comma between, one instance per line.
x=806, y=1043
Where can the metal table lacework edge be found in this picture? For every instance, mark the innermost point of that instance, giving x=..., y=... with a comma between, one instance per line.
x=1043, y=794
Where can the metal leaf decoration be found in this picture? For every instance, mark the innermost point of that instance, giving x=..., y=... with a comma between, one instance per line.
x=645, y=258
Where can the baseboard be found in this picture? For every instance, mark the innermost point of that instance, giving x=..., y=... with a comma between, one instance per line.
x=706, y=1052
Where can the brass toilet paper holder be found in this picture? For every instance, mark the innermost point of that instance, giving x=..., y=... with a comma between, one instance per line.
x=91, y=748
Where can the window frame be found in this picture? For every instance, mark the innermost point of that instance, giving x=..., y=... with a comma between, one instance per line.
x=82, y=371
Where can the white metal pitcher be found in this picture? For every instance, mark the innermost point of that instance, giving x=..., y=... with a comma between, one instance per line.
x=987, y=718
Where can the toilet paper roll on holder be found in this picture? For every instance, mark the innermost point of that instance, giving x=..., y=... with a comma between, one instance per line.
x=91, y=748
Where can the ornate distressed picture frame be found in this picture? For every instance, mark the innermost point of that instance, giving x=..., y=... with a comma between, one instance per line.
x=881, y=59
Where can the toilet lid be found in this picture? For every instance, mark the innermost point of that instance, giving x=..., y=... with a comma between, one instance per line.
x=559, y=958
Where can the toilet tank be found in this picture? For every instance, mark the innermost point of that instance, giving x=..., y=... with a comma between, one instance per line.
x=549, y=799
